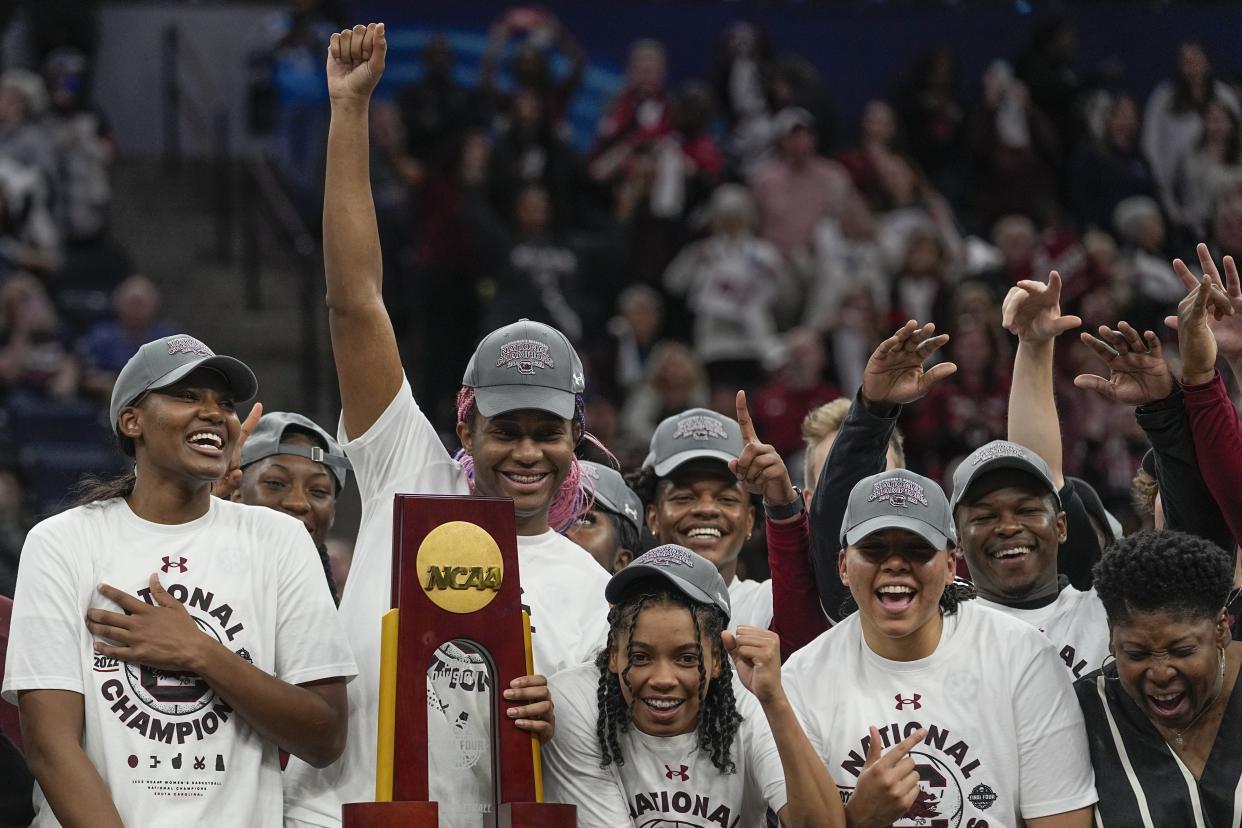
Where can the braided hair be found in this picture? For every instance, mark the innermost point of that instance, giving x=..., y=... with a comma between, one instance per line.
x=576, y=496
x=1163, y=571
x=718, y=716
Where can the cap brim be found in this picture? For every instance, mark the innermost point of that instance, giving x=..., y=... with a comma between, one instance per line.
x=999, y=463
x=923, y=529
x=669, y=463
x=499, y=399
x=620, y=582
x=237, y=374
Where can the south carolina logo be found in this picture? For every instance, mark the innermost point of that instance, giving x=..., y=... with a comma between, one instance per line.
x=525, y=355
x=699, y=427
x=940, y=801
x=899, y=492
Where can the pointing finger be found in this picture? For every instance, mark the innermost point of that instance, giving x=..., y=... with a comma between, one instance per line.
x=743, y=419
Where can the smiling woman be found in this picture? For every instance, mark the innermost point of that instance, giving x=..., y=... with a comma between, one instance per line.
x=205, y=620
x=1163, y=718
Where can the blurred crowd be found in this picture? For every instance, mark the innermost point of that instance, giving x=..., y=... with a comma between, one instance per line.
x=732, y=232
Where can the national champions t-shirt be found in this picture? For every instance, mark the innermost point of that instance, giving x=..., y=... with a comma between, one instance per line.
x=1076, y=625
x=1005, y=739
x=562, y=586
x=170, y=750
x=665, y=781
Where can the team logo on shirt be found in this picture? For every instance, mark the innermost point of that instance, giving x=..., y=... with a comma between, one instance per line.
x=943, y=763
x=700, y=427
x=913, y=701
x=898, y=492
x=173, y=706
x=682, y=773
x=525, y=355
x=179, y=564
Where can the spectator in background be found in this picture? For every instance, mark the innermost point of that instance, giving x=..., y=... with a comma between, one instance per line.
x=35, y=356
x=14, y=523
x=730, y=281
x=1173, y=119
x=1014, y=151
x=108, y=345
x=848, y=257
x=530, y=151
x=909, y=204
x=24, y=136
x=618, y=361
x=435, y=109
x=531, y=68
x=1213, y=167
x=1046, y=66
x=84, y=149
x=797, y=387
x=1109, y=167
x=797, y=187
x=1141, y=227
x=921, y=288
x=29, y=238
x=929, y=104
x=879, y=138
x=675, y=381
x=742, y=78
x=796, y=83
x=637, y=116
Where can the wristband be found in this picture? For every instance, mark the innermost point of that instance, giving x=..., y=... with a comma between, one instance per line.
x=784, y=511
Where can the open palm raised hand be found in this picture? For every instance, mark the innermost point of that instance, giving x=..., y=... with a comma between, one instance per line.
x=1138, y=374
x=356, y=61
x=895, y=375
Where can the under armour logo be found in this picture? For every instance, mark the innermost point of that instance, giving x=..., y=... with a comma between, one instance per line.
x=179, y=564
x=682, y=774
x=914, y=700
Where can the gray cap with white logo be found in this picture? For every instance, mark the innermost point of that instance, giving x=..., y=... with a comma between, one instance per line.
x=898, y=499
x=266, y=439
x=693, y=575
x=1000, y=454
x=525, y=365
x=612, y=493
x=691, y=435
x=161, y=363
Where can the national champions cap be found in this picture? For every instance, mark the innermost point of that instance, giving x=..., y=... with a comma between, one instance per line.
x=693, y=575
x=265, y=441
x=161, y=363
x=612, y=493
x=691, y=435
x=898, y=499
x=1000, y=454
x=525, y=365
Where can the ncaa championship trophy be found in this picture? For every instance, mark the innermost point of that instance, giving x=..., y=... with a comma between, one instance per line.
x=454, y=578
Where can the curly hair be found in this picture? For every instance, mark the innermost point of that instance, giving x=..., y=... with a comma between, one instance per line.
x=576, y=496
x=1163, y=571
x=718, y=716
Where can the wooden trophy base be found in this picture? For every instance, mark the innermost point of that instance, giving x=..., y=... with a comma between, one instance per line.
x=391, y=815
x=536, y=815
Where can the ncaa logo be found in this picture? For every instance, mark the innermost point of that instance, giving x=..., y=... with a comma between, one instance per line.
x=940, y=803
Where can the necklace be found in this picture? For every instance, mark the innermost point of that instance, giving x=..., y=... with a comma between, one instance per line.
x=1220, y=685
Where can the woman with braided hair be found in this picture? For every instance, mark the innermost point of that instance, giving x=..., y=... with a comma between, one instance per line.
x=520, y=417
x=652, y=734
x=1163, y=722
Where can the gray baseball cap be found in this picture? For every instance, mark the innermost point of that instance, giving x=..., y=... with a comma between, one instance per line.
x=898, y=499
x=161, y=363
x=525, y=365
x=693, y=575
x=265, y=441
x=691, y=435
x=1000, y=454
x=612, y=493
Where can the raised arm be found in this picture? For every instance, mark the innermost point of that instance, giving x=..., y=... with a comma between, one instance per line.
x=1032, y=312
x=368, y=365
x=894, y=377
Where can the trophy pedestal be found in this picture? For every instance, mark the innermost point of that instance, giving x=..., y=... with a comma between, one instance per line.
x=536, y=815
x=391, y=815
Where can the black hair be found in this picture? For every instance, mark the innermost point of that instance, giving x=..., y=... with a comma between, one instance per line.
x=718, y=716
x=644, y=483
x=626, y=533
x=92, y=488
x=1163, y=571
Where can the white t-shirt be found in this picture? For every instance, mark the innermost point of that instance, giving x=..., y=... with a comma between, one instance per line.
x=750, y=603
x=665, y=781
x=170, y=750
x=1005, y=738
x=562, y=585
x=1076, y=625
